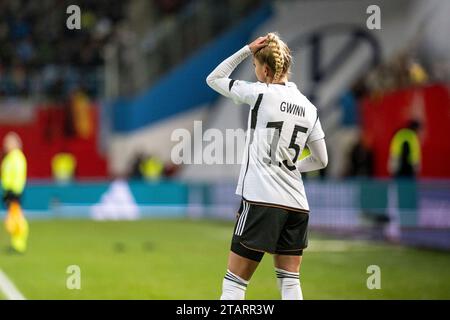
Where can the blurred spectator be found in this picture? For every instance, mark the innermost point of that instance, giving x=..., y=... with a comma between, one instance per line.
x=361, y=166
x=37, y=46
x=402, y=71
x=417, y=73
x=63, y=167
x=405, y=152
x=404, y=166
x=349, y=102
x=82, y=116
x=136, y=166
x=349, y=106
x=361, y=159
x=151, y=168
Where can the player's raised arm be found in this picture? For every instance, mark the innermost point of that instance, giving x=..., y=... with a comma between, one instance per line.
x=219, y=79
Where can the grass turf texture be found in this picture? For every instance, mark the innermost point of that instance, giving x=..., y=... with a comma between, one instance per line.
x=186, y=259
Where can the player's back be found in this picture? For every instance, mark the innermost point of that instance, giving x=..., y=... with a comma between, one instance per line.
x=282, y=119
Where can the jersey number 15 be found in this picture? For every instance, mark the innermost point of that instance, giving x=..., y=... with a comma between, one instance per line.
x=278, y=125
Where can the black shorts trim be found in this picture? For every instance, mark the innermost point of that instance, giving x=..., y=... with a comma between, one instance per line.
x=294, y=252
x=243, y=251
x=253, y=249
x=274, y=205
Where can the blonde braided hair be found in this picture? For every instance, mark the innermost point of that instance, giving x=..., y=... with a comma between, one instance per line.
x=276, y=55
x=274, y=46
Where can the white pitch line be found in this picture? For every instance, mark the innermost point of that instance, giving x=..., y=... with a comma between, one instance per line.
x=8, y=288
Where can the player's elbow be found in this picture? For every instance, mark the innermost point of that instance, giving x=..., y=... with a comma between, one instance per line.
x=210, y=80
x=324, y=155
x=319, y=152
x=324, y=160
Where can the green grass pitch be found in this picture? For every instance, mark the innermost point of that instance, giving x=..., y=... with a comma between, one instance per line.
x=186, y=259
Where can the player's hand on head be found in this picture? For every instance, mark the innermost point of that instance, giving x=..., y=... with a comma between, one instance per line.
x=258, y=44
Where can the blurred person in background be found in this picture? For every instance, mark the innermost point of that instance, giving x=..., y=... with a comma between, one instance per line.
x=151, y=168
x=63, y=167
x=147, y=167
x=404, y=167
x=80, y=104
x=14, y=174
x=361, y=159
x=361, y=167
x=405, y=151
x=135, y=172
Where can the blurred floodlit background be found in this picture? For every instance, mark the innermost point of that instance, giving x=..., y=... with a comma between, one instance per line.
x=96, y=108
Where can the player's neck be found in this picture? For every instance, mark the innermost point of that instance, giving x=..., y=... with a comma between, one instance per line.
x=282, y=81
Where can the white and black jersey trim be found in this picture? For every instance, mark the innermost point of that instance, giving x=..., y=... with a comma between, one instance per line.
x=253, y=120
x=242, y=218
x=231, y=84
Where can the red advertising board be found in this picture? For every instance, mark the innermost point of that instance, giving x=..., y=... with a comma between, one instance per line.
x=383, y=116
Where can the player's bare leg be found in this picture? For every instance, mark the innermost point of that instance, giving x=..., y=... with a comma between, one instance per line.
x=239, y=273
x=288, y=263
x=241, y=266
x=287, y=269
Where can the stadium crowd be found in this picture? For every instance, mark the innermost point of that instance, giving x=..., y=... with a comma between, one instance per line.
x=39, y=54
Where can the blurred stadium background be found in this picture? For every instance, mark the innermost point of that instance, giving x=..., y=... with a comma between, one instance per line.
x=96, y=109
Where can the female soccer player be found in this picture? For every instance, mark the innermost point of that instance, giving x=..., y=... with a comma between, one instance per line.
x=273, y=216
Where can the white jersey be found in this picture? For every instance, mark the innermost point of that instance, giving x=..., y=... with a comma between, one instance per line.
x=281, y=122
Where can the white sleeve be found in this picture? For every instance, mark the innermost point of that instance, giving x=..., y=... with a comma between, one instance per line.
x=239, y=91
x=316, y=133
x=318, y=159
